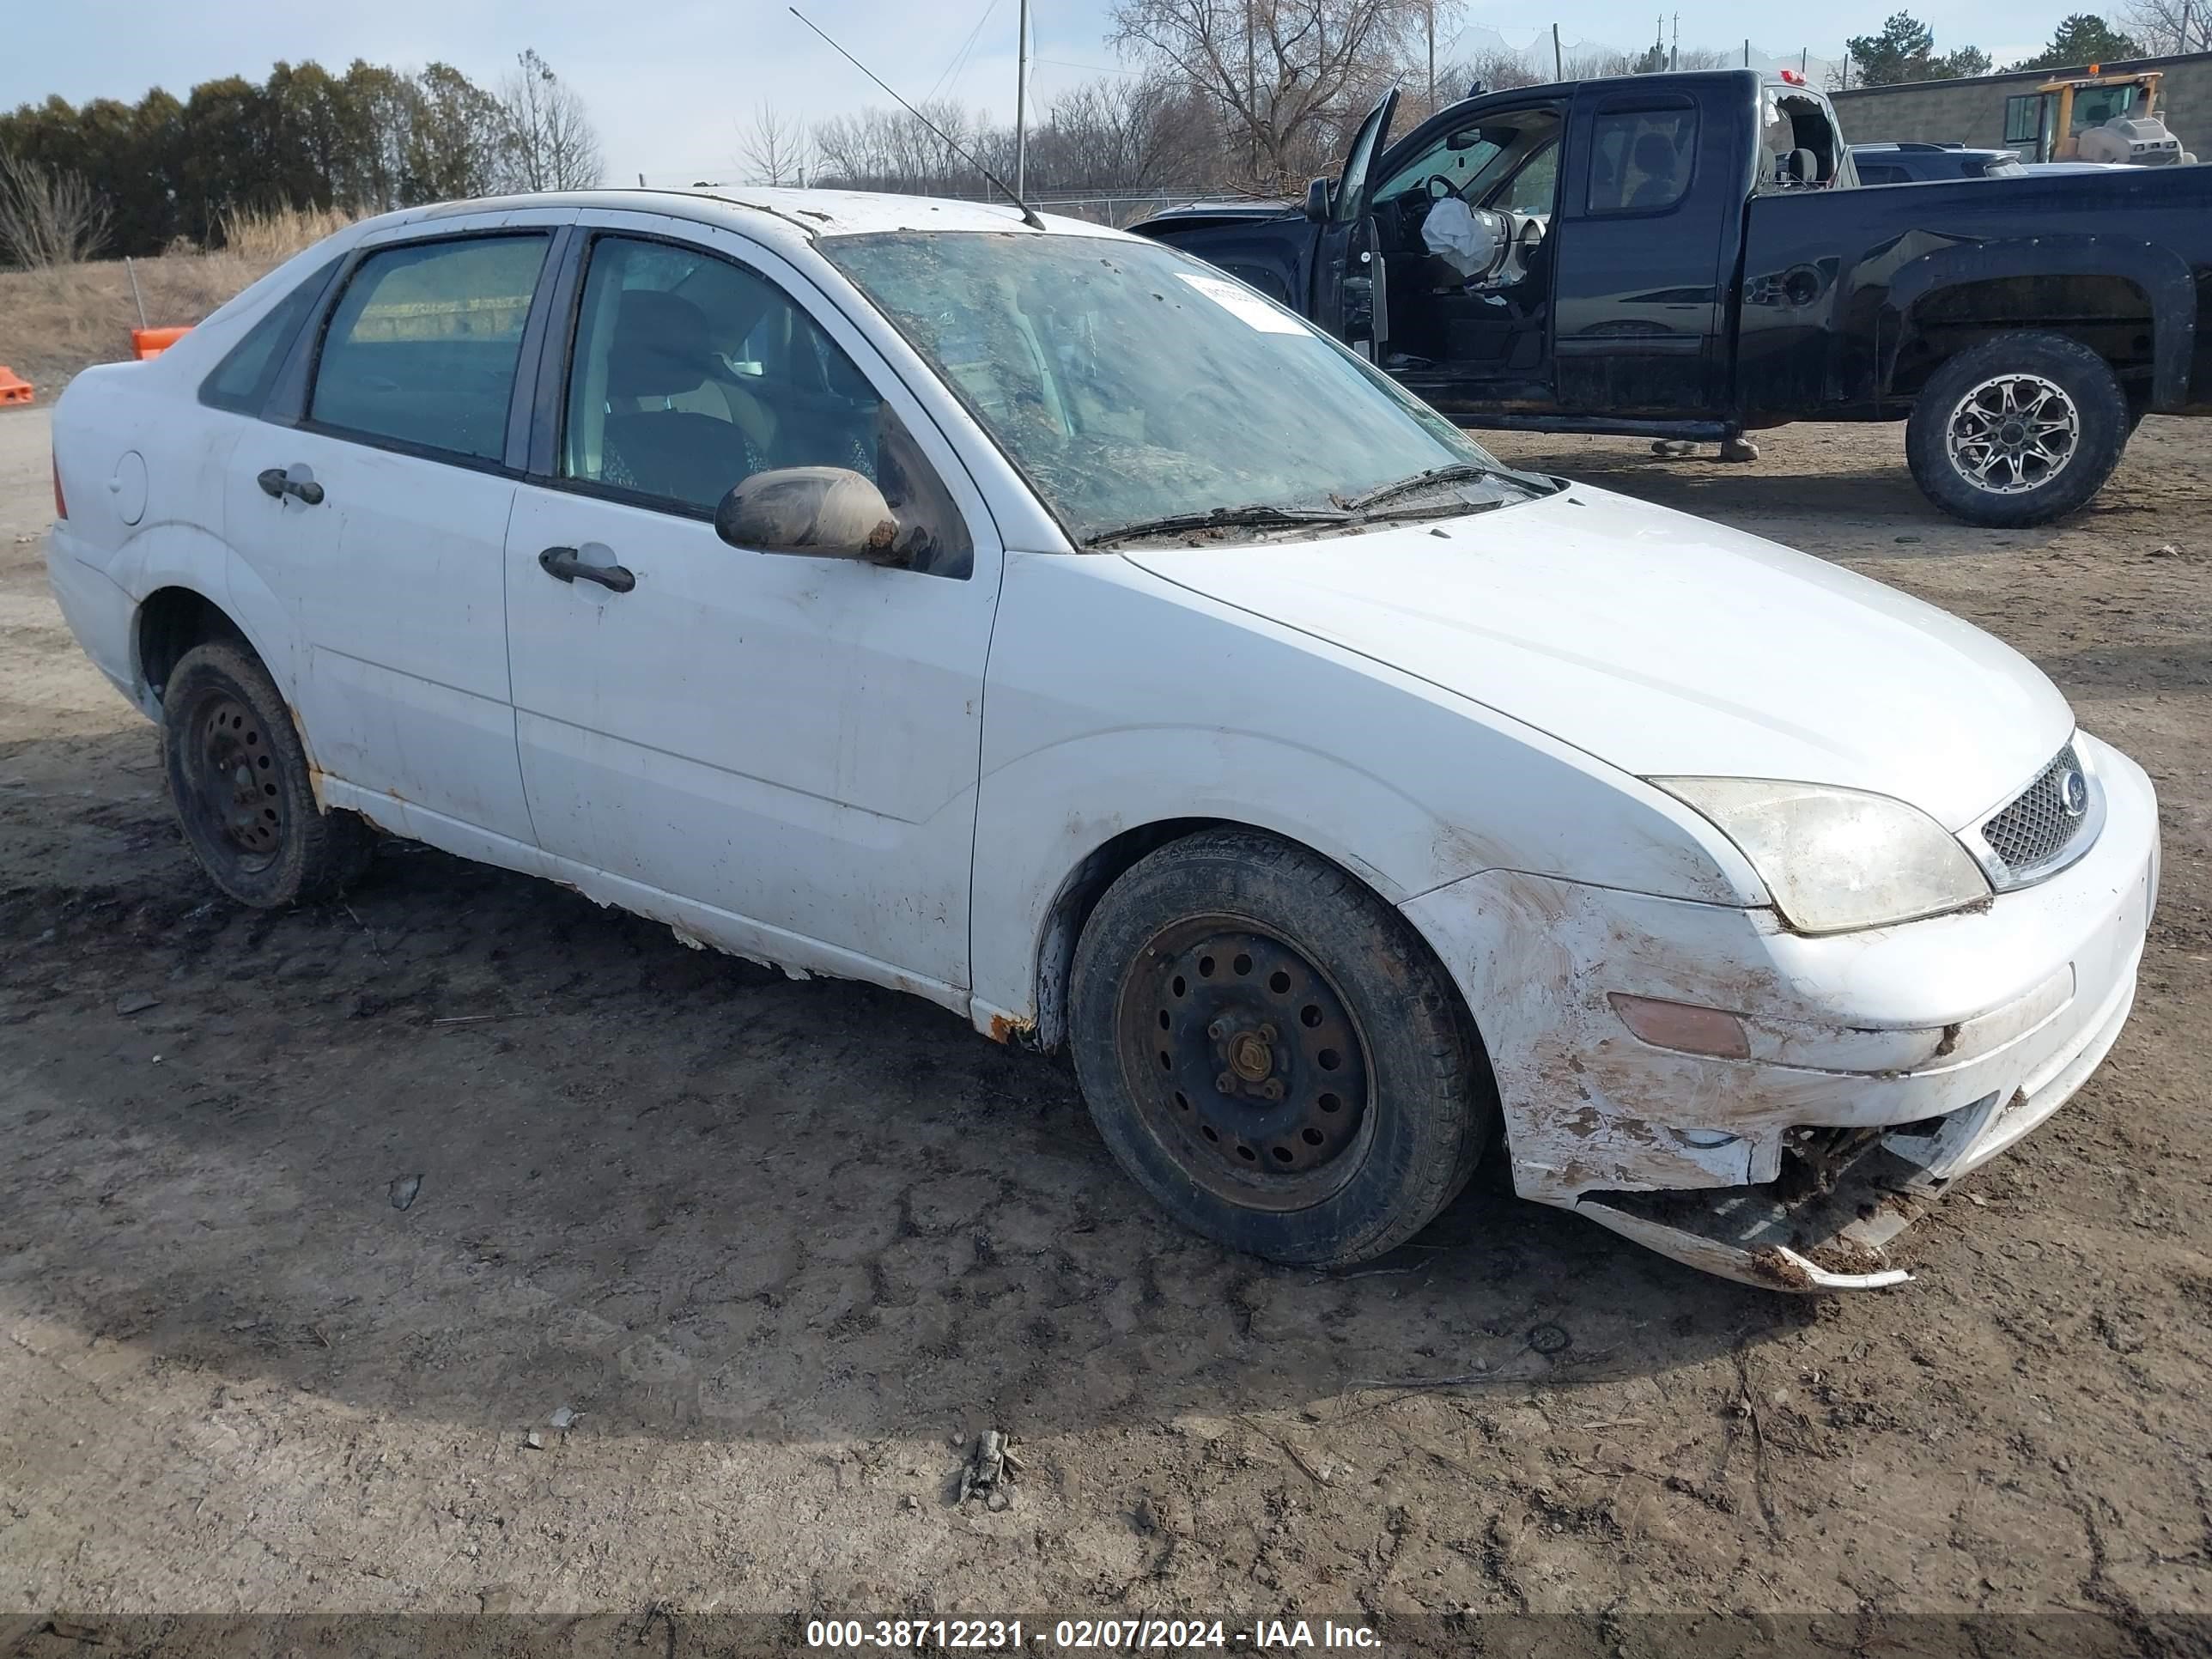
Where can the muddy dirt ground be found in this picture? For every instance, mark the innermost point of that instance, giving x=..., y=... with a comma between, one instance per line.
x=782, y=1245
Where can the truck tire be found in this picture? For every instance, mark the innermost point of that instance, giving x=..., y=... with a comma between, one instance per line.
x=2018, y=430
x=239, y=778
x=1273, y=1054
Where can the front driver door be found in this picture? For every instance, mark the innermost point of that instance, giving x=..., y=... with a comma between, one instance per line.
x=1353, y=295
x=777, y=754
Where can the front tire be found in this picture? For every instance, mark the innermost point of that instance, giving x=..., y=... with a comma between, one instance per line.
x=1273, y=1054
x=239, y=781
x=2018, y=430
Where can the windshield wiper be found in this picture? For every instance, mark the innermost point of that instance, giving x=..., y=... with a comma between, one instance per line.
x=1257, y=513
x=1457, y=472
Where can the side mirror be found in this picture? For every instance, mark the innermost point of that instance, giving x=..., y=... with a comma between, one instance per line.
x=1317, y=202
x=815, y=512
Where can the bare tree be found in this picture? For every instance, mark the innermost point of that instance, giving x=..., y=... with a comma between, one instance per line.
x=1598, y=63
x=2169, y=26
x=48, y=216
x=550, y=142
x=889, y=149
x=772, y=146
x=1289, y=76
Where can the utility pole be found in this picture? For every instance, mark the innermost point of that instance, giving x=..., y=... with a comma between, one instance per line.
x=1251, y=93
x=1432, y=57
x=1675, y=53
x=1021, y=107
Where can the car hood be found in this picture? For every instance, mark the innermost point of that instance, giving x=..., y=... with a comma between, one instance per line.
x=1665, y=645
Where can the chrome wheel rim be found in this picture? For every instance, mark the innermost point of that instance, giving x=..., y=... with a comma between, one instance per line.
x=2013, y=432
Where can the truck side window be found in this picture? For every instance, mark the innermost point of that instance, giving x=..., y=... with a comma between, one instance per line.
x=1641, y=158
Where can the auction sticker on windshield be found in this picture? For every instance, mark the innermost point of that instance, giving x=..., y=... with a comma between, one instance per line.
x=1247, y=308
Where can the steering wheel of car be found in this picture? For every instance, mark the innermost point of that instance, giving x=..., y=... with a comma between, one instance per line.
x=1439, y=186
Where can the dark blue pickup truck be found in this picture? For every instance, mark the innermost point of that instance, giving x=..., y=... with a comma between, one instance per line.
x=1694, y=256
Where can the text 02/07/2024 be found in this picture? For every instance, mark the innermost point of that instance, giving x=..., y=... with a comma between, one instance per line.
x=1085, y=1635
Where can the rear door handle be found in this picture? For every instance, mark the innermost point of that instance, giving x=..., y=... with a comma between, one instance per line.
x=278, y=482
x=566, y=564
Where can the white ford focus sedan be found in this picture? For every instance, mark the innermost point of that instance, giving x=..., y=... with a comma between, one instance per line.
x=1040, y=622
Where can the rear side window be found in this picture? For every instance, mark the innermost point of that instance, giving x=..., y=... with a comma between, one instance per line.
x=1641, y=158
x=422, y=349
x=241, y=380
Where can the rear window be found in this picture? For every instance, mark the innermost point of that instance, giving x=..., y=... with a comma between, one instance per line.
x=422, y=349
x=241, y=380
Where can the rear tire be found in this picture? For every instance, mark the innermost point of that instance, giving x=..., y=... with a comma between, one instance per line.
x=1273, y=1054
x=2018, y=430
x=244, y=794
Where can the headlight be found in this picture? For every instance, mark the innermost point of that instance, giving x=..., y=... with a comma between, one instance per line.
x=1835, y=859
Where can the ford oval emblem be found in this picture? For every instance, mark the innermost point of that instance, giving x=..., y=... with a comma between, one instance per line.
x=2074, y=792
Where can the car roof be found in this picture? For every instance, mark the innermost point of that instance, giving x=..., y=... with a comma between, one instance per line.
x=791, y=217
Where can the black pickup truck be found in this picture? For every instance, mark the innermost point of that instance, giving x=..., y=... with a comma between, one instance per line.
x=1692, y=255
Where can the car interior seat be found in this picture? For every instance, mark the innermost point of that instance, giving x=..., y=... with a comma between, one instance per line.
x=661, y=353
x=1656, y=159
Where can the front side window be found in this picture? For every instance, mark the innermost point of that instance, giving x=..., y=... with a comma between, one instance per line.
x=1532, y=187
x=2024, y=119
x=692, y=374
x=1641, y=158
x=1469, y=164
x=1131, y=384
x=423, y=346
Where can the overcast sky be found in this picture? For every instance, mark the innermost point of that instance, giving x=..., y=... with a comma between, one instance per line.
x=668, y=81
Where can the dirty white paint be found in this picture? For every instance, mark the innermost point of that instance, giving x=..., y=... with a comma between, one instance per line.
x=873, y=773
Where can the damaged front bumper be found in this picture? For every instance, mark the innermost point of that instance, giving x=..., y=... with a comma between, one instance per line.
x=1881, y=1066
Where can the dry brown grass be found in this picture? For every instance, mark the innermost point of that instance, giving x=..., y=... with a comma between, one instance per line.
x=54, y=323
x=274, y=235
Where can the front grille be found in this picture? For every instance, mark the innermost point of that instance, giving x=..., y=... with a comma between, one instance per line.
x=2037, y=829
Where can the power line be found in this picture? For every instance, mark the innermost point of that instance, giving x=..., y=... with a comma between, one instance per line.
x=958, y=66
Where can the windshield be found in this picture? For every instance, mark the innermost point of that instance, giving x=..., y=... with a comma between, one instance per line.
x=1132, y=385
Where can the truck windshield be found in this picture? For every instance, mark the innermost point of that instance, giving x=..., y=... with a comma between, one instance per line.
x=1133, y=386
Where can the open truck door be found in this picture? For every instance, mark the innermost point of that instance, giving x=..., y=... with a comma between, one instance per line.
x=1352, y=297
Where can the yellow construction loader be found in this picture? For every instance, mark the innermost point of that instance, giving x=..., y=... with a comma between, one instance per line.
x=2095, y=118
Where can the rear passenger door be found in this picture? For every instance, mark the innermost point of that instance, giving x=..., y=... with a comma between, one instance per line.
x=776, y=753
x=1642, y=248
x=374, y=500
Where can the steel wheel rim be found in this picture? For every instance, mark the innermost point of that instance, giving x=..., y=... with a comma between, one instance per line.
x=232, y=774
x=2013, y=432
x=1246, y=1063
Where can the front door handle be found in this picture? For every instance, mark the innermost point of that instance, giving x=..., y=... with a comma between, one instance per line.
x=566, y=564
x=278, y=482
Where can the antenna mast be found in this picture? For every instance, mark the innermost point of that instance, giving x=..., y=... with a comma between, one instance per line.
x=1029, y=213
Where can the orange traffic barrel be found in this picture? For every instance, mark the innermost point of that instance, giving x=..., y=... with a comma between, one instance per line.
x=14, y=388
x=153, y=342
